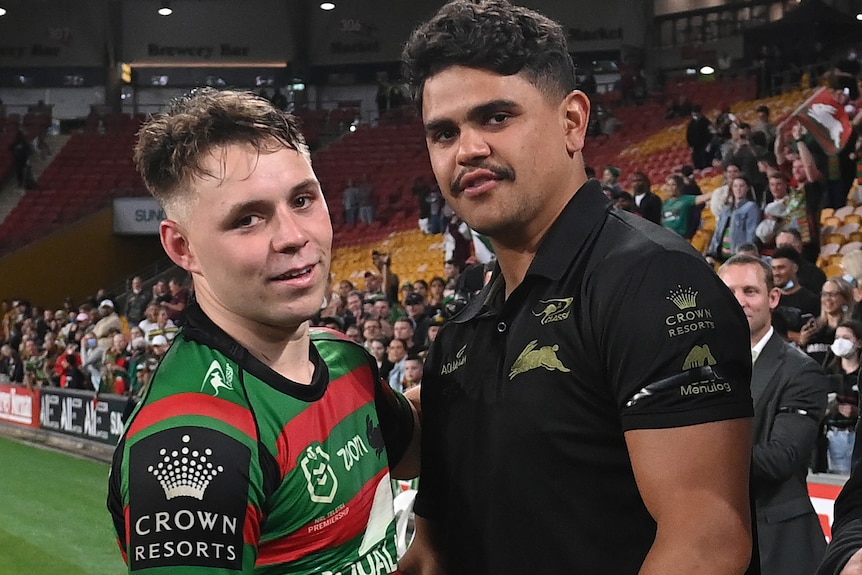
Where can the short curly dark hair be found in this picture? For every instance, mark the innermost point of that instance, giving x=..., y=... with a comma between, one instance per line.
x=172, y=146
x=490, y=35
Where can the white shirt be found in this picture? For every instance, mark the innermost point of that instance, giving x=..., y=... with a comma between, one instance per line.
x=757, y=348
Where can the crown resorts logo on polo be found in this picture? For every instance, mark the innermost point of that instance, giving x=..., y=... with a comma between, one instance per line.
x=683, y=298
x=185, y=472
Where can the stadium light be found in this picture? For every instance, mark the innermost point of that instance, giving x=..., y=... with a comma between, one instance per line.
x=707, y=70
x=327, y=6
x=859, y=16
x=2, y=11
x=165, y=9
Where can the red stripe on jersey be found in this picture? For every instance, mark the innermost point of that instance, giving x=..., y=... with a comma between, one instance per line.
x=343, y=396
x=194, y=404
x=310, y=539
x=124, y=544
x=251, y=529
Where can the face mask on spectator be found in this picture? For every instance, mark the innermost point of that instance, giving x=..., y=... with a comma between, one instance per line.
x=91, y=342
x=843, y=347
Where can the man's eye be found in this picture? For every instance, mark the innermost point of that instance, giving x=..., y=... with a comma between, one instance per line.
x=498, y=118
x=247, y=221
x=444, y=135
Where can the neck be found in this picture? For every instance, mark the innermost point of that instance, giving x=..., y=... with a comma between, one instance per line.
x=284, y=349
x=756, y=337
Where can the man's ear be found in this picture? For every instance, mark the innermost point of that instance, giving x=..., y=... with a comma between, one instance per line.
x=176, y=244
x=577, y=117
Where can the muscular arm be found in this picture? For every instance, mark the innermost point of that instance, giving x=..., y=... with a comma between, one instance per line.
x=424, y=556
x=704, y=468
x=844, y=554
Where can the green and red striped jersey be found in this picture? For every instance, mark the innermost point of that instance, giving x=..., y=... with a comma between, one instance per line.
x=228, y=467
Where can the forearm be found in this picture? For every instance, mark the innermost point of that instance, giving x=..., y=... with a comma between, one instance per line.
x=425, y=555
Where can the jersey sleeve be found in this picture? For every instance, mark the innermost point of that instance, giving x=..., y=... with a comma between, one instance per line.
x=676, y=344
x=185, y=492
x=431, y=500
x=396, y=418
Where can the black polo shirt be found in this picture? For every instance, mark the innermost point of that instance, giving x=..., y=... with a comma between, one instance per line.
x=618, y=325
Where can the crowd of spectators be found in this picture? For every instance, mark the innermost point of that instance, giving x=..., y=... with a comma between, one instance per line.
x=92, y=345
x=777, y=181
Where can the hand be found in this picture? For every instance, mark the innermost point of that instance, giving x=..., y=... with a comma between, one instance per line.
x=808, y=330
x=854, y=566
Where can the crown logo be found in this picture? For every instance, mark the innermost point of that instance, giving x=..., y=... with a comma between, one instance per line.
x=185, y=472
x=683, y=298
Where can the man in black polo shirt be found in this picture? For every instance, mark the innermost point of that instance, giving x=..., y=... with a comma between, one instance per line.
x=589, y=410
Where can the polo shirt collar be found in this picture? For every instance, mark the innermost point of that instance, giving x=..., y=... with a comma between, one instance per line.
x=564, y=242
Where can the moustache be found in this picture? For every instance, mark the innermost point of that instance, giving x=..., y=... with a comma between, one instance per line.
x=500, y=172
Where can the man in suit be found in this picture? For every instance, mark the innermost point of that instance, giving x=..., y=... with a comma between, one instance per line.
x=789, y=392
x=647, y=204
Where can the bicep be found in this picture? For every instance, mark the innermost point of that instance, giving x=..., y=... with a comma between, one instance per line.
x=703, y=467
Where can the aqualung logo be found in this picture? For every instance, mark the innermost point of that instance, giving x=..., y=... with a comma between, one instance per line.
x=460, y=359
x=187, y=499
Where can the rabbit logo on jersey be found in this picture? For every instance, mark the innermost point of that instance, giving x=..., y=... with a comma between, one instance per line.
x=184, y=508
x=322, y=482
x=218, y=378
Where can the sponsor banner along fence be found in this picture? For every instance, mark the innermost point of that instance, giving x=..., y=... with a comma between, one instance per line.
x=74, y=412
x=19, y=405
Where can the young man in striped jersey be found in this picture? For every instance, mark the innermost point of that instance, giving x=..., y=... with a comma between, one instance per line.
x=261, y=446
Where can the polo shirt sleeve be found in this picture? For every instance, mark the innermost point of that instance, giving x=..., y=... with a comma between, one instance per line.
x=674, y=342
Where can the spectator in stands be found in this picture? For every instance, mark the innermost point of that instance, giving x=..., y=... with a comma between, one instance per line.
x=34, y=362
x=412, y=372
x=417, y=313
x=379, y=349
x=176, y=306
x=797, y=305
x=810, y=276
x=150, y=321
x=92, y=357
x=611, y=178
x=403, y=330
x=164, y=327
x=385, y=314
x=115, y=366
x=388, y=284
x=396, y=352
x=68, y=368
x=721, y=194
x=744, y=155
x=420, y=190
x=365, y=198
x=21, y=151
x=161, y=293
x=675, y=209
x=108, y=324
x=452, y=270
x=698, y=135
x=836, y=301
x=764, y=126
x=436, y=293
x=350, y=201
x=435, y=202
x=11, y=366
x=370, y=332
x=646, y=203
x=787, y=389
x=136, y=302
x=52, y=350
x=458, y=241
x=737, y=222
x=843, y=412
x=353, y=314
